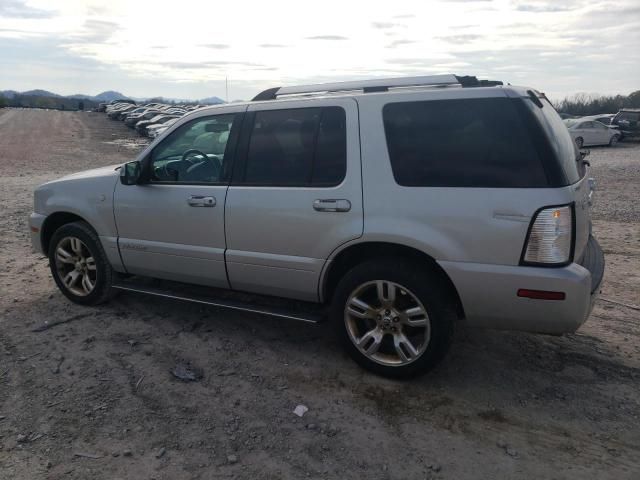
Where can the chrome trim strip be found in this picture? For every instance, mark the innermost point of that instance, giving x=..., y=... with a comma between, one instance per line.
x=216, y=304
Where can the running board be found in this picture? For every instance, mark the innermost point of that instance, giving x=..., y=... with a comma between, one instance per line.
x=313, y=313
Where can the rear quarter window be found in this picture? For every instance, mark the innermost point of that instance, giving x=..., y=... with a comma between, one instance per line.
x=562, y=145
x=461, y=143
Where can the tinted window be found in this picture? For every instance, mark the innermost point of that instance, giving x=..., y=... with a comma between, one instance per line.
x=281, y=147
x=297, y=147
x=461, y=143
x=561, y=142
x=629, y=116
x=330, y=162
x=193, y=153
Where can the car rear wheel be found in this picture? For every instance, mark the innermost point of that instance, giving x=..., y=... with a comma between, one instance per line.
x=579, y=142
x=614, y=140
x=393, y=318
x=79, y=264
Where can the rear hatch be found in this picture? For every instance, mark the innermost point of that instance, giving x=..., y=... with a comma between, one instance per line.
x=573, y=172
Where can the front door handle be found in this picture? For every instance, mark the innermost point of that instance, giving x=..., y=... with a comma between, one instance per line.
x=201, y=201
x=331, y=205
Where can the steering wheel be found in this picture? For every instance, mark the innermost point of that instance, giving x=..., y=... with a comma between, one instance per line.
x=193, y=151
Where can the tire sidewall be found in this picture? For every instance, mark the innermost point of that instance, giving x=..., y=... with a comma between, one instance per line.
x=103, y=283
x=435, y=299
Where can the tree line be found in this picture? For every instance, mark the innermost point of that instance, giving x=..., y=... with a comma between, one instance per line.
x=583, y=104
x=54, y=103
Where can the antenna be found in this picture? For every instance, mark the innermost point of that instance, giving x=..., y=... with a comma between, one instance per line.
x=226, y=89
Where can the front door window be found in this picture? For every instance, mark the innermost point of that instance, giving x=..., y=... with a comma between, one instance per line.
x=194, y=152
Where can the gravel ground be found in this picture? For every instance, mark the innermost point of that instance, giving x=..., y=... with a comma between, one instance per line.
x=94, y=397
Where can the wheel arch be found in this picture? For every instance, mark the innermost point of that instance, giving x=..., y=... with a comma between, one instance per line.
x=357, y=253
x=53, y=222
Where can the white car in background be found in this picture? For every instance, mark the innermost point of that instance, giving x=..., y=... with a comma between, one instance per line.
x=154, y=130
x=602, y=118
x=590, y=132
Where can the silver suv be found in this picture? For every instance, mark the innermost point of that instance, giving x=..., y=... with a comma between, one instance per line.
x=394, y=207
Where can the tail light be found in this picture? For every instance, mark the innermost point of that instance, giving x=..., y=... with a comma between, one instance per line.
x=550, y=237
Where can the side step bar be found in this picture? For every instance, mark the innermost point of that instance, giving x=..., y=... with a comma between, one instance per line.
x=311, y=314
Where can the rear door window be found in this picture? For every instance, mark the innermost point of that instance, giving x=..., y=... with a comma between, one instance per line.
x=461, y=143
x=297, y=147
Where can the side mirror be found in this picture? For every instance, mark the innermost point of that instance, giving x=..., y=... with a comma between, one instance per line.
x=130, y=173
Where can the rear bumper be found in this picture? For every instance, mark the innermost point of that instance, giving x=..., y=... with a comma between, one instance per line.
x=489, y=293
x=36, y=221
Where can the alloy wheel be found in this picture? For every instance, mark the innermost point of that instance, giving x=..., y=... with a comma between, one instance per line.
x=387, y=323
x=76, y=266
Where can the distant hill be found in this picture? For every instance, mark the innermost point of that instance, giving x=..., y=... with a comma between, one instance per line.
x=108, y=96
x=210, y=101
x=80, y=96
x=33, y=100
x=203, y=101
x=101, y=97
x=39, y=93
x=46, y=99
x=8, y=93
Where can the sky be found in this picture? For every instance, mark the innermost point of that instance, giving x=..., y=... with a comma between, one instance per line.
x=187, y=48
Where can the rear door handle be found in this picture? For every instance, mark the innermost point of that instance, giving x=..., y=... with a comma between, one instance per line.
x=331, y=205
x=201, y=201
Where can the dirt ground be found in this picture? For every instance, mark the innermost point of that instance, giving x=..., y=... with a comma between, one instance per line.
x=94, y=398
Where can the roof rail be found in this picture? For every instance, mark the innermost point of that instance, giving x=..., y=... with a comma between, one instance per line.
x=377, y=85
x=373, y=85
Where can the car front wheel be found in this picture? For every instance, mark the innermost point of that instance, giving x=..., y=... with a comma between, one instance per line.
x=79, y=264
x=394, y=319
x=579, y=142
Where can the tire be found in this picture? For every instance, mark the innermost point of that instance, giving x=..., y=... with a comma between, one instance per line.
x=614, y=140
x=387, y=328
x=83, y=254
x=579, y=142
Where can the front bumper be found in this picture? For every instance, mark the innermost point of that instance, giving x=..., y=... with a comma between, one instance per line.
x=489, y=293
x=36, y=221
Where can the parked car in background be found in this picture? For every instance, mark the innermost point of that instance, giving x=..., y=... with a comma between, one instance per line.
x=102, y=107
x=146, y=114
x=604, y=118
x=135, y=111
x=154, y=130
x=141, y=127
x=114, y=112
x=589, y=132
x=121, y=115
x=628, y=121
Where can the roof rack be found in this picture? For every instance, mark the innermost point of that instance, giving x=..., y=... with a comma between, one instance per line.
x=376, y=85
